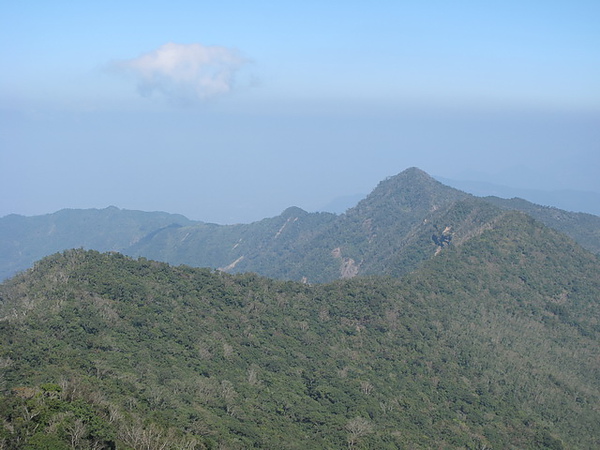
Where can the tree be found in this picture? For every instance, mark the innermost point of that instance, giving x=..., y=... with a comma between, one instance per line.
x=357, y=428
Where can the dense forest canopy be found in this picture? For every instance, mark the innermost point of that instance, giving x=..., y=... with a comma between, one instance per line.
x=490, y=344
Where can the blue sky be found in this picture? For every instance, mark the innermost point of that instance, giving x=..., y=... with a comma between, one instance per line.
x=232, y=111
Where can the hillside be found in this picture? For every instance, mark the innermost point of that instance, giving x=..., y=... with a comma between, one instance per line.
x=583, y=228
x=319, y=247
x=402, y=223
x=492, y=343
x=568, y=200
x=24, y=240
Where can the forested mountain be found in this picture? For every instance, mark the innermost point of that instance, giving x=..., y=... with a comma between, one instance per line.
x=584, y=228
x=569, y=200
x=402, y=223
x=24, y=240
x=492, y=343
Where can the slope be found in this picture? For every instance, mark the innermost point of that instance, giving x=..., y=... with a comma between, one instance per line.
x=402, y=223
x=24, y=240
x=584, y=228
x=493, y=343
x=319, y=247
x=281, y=247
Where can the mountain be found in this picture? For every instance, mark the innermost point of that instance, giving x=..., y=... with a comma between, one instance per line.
x=24, y=240
x=318, y=247
x=583, y=228
x=491, y=343
x=402, y=223
x=569, y=200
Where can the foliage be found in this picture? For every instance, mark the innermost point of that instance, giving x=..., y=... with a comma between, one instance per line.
x=583, y=228
x=24, y=240
x=391, y=232
x=491, y=343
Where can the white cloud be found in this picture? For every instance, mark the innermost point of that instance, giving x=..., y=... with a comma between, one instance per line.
x=185, y=72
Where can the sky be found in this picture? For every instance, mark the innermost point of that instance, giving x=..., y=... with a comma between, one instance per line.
x=232, y=111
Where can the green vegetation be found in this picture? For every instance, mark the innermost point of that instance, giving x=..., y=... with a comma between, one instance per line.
x=583, y=228
x=493, y=343
x=24, y=240
x=391, y=232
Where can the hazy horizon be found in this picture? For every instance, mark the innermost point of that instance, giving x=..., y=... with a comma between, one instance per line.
x=232, y=112
x=569, y=200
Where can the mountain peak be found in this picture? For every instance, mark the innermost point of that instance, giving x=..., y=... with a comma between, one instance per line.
x=293, y=211
x=414, y=171
x=412, y=175
x=410, y=190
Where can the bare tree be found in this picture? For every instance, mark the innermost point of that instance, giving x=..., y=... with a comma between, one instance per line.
x=253, y=375
x=77, y=430
x=357, y=428
x=366, y=387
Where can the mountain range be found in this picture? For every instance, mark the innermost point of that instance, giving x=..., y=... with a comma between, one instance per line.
x=421, y=318
x=403, y=222
x=492, y=343
x=567, y=199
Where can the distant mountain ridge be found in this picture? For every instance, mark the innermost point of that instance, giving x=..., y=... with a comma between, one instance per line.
x=403, y=222
x=26, y=239
x=568, y=200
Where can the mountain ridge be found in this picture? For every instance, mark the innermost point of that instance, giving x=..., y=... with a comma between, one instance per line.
x=490, y=344
x=424, y=317
x=392, y=230
x=565, y=199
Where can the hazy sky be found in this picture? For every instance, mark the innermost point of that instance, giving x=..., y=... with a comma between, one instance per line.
x=231, y=111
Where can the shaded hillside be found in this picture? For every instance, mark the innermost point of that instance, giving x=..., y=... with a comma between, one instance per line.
x=282, y=247
x=584, y=228
x=491, y=344
x=402, y=223
x=24, y=240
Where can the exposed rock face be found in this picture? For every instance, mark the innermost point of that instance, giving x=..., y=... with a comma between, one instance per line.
x=232, y=265
x=348, y=267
